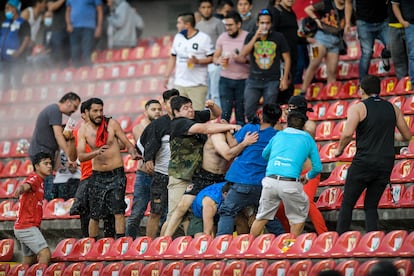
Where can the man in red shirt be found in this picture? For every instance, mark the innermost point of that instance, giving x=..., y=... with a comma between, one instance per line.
x=27, y=225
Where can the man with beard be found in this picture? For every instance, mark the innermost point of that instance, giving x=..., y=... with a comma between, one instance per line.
x=107, y=190
x=236, y=69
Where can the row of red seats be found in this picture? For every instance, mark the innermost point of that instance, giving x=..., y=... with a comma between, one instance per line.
x=57, y=208
x=267, y=246
x=232, y=268
x=397, y=197
x=96, y=73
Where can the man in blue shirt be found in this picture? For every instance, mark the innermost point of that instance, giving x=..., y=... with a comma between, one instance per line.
x=286, y=153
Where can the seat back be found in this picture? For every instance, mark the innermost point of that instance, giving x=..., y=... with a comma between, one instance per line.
x=197, y=247
x=80, y=250
x=93, y=269
x=407, y=248
x=332, y=90
x=118, y=248
x=279, y=267
x=337, y=176
x=349, y=152
x=235, y=268
x=17, y=270
x=345, y=245
x=74, y=269
x=214, y=268
x=177, y=247
x=302, y=245
x=99, y=249
x=137, y=248
x=404, y=267
x=368, y=244
x=322, y=265
x=322, y=245
x=388, y=85
x=259, y=246
x=113, y=269
x=4, y=269
x=157, y=248
x=347, y=267
x=218, y=246
x=403, y=86
x=319, y=111
x=365, y=266
x=407, y=199
x=324, y=130
x=256, y=268
x=55, y=269
x=337, y=110
x=173, y=268
x=327, y=152
x=63, y=248
x=330, y=199
x=238, y=246
x=402, y=171
x=134, y=268
x=36, y=269
x=193, y=268
x=6, y=250
x=152, y=268
x=349, y=90
x=7, y=187
x=280, y=245
x=391, y=196
x=315, y=92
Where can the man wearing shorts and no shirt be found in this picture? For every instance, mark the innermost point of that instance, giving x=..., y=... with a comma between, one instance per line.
x=29, y=217
x=107, y=190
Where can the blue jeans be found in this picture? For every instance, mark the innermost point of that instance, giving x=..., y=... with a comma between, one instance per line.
x=256, y=89
x=213, y=82
x=142, y=193
x=367, y=33
x=232, y=95
x=239, y=197
x=409, y=36
x=58, y=45
x=82, y=43
x=397, y=42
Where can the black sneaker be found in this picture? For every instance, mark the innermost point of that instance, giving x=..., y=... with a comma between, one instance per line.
x=385, y=57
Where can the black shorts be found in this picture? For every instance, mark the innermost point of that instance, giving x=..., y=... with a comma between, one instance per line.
x=159, y=193
x=107, y=193
x=202, y=179
x=81, y=203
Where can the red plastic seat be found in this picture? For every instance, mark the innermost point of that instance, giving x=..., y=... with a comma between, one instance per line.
x=388, y=85
x=353, y=52
x=217, y=246
x=349, y=90
x=402, y=171
x=408, y=106
x=134, y=268
x=404, y=266
x=117, y=249
x=407, y=200
x=197, y=247
x=348, y=267
x=112, y=269
x=25, y=168
x=256, y=268
x=322, y=245
x=99, y=249
x=349, y=152
x=214, y=268
x=7, y=187
x=301, y=267
x=238, y=246
x=278, y=267
x=125, y=123
x=365, y=266
x=324, y=130
x=156, y=248
x=301, y=246
x=55, y=269
x=337, y=110
x=327, y=152
x=368, y=244
x=93, y=269
x=173, y=268
x=74, y=269
x=4, y=268
x=407, y=248
x=332, y=90
x=137, y=249
x=152, y=268
x=259, y=246
x=234, y=268
x=337, y=131
x=399, y=101
x=391, y=197
x=7, y=210
x=320, y=266
x=63, y=248
x=193, y=268
x=337, y=176
x=5, y=149
x=279, y=246
x=18, y=270
x=177, y=247
x=403, y=87
x=130, y=165
x=330, y=199
x=315, y=92
x=345, y=245
x=6, y=250
x=80, y=250
x=391, y=243
x=10, y=168
x=58, y=208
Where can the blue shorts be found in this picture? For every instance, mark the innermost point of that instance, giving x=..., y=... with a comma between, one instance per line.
x=329, y=41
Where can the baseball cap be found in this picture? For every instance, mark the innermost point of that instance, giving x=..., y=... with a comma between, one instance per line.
x=15, y=3
x=300, y=102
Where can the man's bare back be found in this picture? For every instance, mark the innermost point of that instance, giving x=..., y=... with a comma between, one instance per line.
x=212, y=161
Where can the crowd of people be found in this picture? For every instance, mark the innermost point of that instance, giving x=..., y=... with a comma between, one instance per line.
x=199, y=172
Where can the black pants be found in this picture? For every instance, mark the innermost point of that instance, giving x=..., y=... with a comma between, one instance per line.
x=359, y=178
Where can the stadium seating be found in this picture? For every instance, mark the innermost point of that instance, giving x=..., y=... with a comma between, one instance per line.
x=404, y=266
x=260, y=245
x=133, y=268
x=173, y=268
x=63, y=248
x=74, y=269
x=235, y=268
x=4, y=268
x=327, y=264
x=152, y=268
x=324, y=130
x=301, y=246
x=391, y=243
x=337, y=176
x=93, y=269
x=407, y=247
x=117, y=249
x=156, y=248
x=55, y=269
x=365, y=266
x=238, y=247
x=18, y=270
x=176, y=248
x=330, y=199
x=193, y=268
x=218, y=246
x=8, y=209
x=279, y=246
x=80, y=250
x=407, y=200
x=137, y=249
x=402, y=171
x=197, y=247
x=368, y=244
x=256, y=268
x=214, y=268
x=6, y=250
x=391, y=196
x=7, y=187
x=113, y=268
x=345, y=245
x=347, y=266
x=322, y=245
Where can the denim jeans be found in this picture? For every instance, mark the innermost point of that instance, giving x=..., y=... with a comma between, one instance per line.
x=256, y=89
x=398, y=49
x=82, y=43
x=239, y=197
x=232, y=95
x=58, y=45
x=213, y=83
x=142, y=193
x=367, y=33
x=409, y=36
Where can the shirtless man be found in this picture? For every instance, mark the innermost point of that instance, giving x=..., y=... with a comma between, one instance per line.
x=217, y=154
x=107, y=190
x=143, y=179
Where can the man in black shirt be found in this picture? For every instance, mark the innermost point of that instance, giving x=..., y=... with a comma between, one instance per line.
x=374, y=120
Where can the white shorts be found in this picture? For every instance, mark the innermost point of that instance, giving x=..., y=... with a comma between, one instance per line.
x=291, y=193
x=31, y=240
